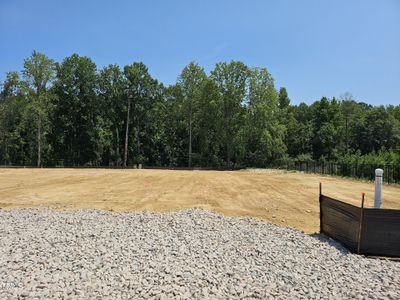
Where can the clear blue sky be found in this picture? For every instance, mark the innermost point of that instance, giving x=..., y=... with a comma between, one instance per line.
x=313, y=48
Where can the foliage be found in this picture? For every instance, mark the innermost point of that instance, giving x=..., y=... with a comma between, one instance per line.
x=71, y=113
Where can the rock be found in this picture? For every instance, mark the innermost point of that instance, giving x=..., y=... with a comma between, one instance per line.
x=188, y=254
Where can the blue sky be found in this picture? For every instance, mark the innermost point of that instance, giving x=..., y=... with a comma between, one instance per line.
x=313, y=48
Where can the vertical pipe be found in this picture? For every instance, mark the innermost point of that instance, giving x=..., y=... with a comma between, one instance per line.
x=378, y=188
x=360, y=224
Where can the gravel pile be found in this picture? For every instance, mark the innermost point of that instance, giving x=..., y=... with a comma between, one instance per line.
x=190, y=254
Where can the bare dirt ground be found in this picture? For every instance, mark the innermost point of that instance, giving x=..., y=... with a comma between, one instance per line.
x=285, y=198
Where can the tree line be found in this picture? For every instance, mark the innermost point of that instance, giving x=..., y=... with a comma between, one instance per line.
x=70, y=113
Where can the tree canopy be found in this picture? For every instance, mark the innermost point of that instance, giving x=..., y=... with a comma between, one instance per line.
x=71, y=113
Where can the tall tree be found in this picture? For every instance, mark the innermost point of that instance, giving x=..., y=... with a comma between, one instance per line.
x=175, y=129
x=76, y=118
x=347, y=106
x=327, y=124
x=283, y=99
x=12, y=107
x=263, y=133
x=375, y=131
x=141, y=92
x=299, y=129
x=111, y=90
x=210, y=125
x=191, y=82
x=231, y=81
x=39, y=71
x=10, y=86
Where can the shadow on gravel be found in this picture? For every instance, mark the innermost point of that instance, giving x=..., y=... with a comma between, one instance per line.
x=343, y=250
x=331, y=242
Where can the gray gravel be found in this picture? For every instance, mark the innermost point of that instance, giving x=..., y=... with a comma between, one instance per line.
x=190, y=254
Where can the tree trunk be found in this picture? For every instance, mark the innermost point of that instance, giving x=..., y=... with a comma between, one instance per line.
x=39, y=154
x=137, y=137
x=117, y=145
x=347, y=139
x=190, y=143
x=39, y=129
x=228, y=153
x=190, y=134
x=228, y=141
x=127, y=132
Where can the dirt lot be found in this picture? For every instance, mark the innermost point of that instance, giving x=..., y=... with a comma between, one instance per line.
x=289, y=199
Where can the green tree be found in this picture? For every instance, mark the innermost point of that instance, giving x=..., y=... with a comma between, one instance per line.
x=375, y=130
x=232, y=116
x=12, y=107
x=231, y=81
x=39, y=71
x=191, y=82
x=174, y=127
x=327, y=124
x=348, y=108
x=111, y=91
x=10, y=86
x=76, y=118
x=210, y=125
x=263, y=132
x=283, y=98
x=141, y=91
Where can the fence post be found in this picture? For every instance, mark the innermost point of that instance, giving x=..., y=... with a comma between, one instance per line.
x=360, y=228
x=320, y=208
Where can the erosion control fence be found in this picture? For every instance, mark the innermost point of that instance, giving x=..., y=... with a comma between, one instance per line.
x=364, y=171
x=368, y=231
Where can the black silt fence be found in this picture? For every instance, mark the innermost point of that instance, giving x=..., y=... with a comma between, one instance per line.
x=362, y=171
x=368, y=231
